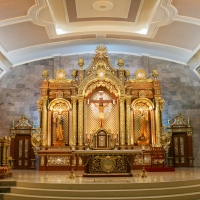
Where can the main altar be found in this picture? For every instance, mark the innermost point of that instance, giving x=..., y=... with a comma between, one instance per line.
x=100, y=109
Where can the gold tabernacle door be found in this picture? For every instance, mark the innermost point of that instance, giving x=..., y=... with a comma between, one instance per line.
x=101, y=107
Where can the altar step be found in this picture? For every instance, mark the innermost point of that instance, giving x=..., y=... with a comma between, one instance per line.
x=184, y=190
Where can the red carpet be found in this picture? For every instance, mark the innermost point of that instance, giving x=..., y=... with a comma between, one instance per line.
x=160, y=169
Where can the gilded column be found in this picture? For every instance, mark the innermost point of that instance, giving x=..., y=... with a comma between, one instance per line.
x=74, y=120
x=44, y=122
x=4, y=154
x=158, y=121
x=39, y=104
x=128, y=120
x=80, y=121
x=122, y=123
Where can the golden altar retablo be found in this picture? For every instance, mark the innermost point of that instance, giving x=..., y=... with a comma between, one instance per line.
x=100, y=107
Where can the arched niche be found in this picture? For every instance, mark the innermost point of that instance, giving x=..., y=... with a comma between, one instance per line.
x=143, y=121
x=63, y=107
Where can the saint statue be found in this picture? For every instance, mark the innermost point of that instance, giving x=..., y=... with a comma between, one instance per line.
x=59, y=126
x=142, y=124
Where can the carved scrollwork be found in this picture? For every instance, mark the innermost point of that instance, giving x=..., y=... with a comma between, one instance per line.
x=165, y=138
x=162, y=103
x=140, y=76
x=36, y=140
x=39, y=104
x=60, y=77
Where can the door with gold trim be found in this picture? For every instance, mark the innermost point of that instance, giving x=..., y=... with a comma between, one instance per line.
x=23, y=152
x=179, y=147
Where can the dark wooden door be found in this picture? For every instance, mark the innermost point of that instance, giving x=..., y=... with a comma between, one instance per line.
x=23, y=152
x=179, y=147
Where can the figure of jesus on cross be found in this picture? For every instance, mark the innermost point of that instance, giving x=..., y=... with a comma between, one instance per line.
x=101, y=104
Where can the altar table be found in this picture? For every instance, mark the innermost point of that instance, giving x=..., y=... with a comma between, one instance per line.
x=107, y=162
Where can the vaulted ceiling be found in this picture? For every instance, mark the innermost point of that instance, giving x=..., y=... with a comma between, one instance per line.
x=37, y=29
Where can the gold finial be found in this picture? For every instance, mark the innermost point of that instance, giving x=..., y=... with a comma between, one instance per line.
x=45, y=74
x=127, y=74
x=74, y=74
x=120, y=63
x=155, y=74
x=81, y=62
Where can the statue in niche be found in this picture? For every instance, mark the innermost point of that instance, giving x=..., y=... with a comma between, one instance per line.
x=59, y=121
x=142, y=123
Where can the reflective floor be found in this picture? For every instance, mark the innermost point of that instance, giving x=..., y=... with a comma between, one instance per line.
x=180, y=174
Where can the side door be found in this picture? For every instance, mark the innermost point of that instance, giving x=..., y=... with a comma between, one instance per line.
x=179, y=147
x=23, y=152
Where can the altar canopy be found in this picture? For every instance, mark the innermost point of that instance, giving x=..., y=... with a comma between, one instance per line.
x=100, y=107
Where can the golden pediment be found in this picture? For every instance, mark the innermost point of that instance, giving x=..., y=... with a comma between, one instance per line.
x=60, y=77
x=141, y=76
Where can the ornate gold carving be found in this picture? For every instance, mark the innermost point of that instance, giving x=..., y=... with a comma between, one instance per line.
x=59, y=103
x=60, y=77
x=109, y=78
x=36, y=140
x=74, y=74
x=155, y=74
x=158, y=121
x=182, y=147
x=39, y=103
x=162, y=103
x=165, y=139
x=58, y=161
x=80, y=121
x=179, y=121
x=140, y=76
x=128, y=120
x=189, y=133
x=176, y=146
x=20, y=148
x=80, y=63
x=120, y=63
x=146, y=101
x=42, y=161
x=108, y=164
x=45, y=74
x=26, y=150
x=23, y=122
x=4, y=144
x=101, y=52
x=44, y=121
x=122, y=122
x=74, y=120
x=127, y=74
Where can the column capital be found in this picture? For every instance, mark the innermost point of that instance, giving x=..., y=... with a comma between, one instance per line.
x=44, y=99
x=74, y=99
x=80, y=98
x=122, y=99
x=128, y=99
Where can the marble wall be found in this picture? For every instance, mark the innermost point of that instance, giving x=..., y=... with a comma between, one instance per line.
x=19, y=89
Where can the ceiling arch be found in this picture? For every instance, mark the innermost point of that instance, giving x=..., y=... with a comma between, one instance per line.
x=38, y=29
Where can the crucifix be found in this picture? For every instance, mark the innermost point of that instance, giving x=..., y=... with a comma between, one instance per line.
x=101, y=104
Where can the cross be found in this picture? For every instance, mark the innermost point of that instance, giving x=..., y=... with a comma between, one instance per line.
x=101, y=100
x=101, y=106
